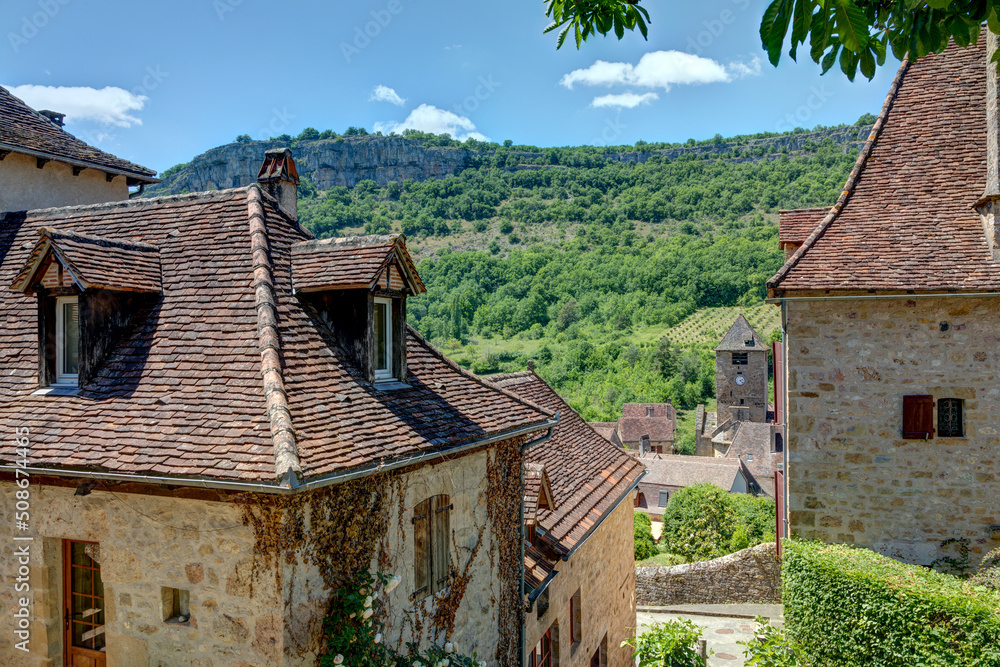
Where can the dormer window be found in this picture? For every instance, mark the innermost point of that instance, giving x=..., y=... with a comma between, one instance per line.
x=67, y=340
x=382, y=339
x=358, y=286
x=87, y=289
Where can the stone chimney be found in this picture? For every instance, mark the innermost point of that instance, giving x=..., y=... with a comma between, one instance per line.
x=54, y=116
x=280, y=179
x=989, y=204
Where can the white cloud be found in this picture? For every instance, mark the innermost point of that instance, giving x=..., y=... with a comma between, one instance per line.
x=598, y=74
x=386, y=94
x=109, y=106
x=428, y=118
x=624, y=100
x=660, y=69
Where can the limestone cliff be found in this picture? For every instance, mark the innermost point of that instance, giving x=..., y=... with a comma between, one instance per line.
x=328, y=162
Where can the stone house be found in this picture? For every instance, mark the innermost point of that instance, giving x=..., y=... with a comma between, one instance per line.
x=669, y=474
x=647, y=427
x=891, y=322
x=214, y=420
x=42, y=165
x=580, y=556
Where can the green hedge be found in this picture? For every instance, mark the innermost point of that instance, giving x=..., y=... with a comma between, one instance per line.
x=846, y=606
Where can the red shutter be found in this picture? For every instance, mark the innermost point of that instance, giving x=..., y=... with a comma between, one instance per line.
x=918, y=417
x=422, y=549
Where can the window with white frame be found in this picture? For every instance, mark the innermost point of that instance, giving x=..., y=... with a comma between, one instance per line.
x=67, y=340
x=382, y=325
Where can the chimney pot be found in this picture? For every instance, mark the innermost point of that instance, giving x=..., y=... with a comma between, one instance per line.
x=279, y=177
x=531, y=365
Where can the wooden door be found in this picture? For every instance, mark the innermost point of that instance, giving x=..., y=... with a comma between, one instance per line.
x=83, y=605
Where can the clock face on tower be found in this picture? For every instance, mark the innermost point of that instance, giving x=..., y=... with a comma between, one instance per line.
x=740, y=380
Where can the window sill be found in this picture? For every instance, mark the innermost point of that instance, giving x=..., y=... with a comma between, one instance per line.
x=390, y=384
x=57, y=390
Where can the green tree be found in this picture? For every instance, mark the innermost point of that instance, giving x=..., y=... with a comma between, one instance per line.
x=243, y=139
x=645, y=546
x=699, y=522
x=857, y=34
x=308, y=134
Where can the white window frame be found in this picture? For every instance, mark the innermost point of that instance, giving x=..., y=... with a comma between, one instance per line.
x=70, y=379
x=387, y=373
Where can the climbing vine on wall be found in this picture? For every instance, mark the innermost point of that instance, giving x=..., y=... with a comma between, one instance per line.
x=504, y=496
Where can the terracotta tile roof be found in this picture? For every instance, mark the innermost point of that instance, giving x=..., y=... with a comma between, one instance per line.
x=682, y=471
x=795, y=226
x=24, y=130
x=631, y=410
x=536, y=567
x=659, y=429
x=752, y=445
x=905, y=220
x=537, y=491
x=607, y=430
x=351, y=262
x=93, y=262
x=184, y=392
x=736, y=338
x=588, y=474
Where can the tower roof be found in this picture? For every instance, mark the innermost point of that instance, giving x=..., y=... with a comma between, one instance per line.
x=741, y=338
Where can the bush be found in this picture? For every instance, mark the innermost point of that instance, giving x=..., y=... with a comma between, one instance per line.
x=756, y=513
x=699, y=522
x=645, y=546
x=770, y=647
x=989, y=571
x=671, y=644
x=846, y=606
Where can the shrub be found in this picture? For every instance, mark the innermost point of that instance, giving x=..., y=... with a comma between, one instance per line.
x=756, y=513
x=847, y=606
x=671, y=644
x=989, y=571
x=645, y=546
x=698, y=522
x=770, y=647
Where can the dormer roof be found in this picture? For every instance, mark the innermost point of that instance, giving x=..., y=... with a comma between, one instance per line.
x=24, y=130
x=741, y=338
x=354, y=262
x=537, y=491
x=91, y=262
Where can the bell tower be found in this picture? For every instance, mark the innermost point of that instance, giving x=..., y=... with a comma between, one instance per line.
x=741, y=374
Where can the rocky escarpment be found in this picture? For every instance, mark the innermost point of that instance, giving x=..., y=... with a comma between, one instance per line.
x=349, y=160
x=328, y=162
x=847, y=136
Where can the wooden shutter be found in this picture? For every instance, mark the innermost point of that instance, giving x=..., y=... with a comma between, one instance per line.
x=422, y=549
x=440, y=536
x=918, y=417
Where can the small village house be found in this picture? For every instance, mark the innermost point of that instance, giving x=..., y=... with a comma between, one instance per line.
x=642, y=428
x=579, y=559
x=42, y=165
x=891, y=319
x=221, y=418
x=669, y=474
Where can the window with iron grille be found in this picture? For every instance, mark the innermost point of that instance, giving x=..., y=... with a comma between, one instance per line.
x=951, y=422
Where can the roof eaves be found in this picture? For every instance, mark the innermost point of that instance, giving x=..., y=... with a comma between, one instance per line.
x=852, y=180
x=139, y=176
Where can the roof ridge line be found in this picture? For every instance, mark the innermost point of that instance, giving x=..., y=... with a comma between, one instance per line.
x=286, y=452
x=56, y=233
x=852, y=179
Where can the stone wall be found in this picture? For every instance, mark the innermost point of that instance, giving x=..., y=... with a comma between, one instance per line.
x=749, y=576
x=851, y=477
x=23, y=186
x=201, y=546
x=603, y=570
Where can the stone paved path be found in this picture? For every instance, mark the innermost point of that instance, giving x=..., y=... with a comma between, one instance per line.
x=721, y=632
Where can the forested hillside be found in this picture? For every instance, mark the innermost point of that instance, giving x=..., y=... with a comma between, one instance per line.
x=585, y=264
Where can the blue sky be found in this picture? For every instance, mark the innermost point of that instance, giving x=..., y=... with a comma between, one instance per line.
x=159, y=83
